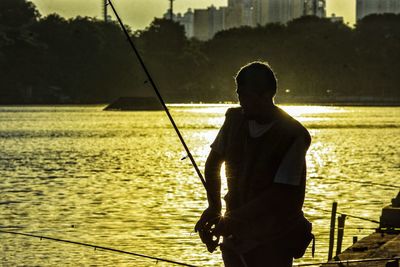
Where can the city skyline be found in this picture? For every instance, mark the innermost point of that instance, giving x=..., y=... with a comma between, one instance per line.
x=367, y=7
x=139, y=14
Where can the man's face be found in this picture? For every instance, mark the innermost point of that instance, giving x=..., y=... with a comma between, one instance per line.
x=252, y=102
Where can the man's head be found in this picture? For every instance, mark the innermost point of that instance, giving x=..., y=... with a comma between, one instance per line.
x=256, y=87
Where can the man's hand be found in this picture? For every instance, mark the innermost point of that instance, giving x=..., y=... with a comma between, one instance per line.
x=209, y=217
x=223, y=227
x=205, y=226
x=212, y=214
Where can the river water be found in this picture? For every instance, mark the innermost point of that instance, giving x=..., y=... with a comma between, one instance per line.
x=116, y=179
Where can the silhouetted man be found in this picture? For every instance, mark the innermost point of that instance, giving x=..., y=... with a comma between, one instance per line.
x=264, y=153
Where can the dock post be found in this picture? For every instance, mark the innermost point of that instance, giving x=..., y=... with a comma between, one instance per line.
x=332, y=230
x=341, y=221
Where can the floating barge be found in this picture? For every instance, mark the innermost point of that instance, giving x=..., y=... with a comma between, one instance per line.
x=134, y=104
x=380, y=249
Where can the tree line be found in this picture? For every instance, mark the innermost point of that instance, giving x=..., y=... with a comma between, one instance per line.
x=84, y=60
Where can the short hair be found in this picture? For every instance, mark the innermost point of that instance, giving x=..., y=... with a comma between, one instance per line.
x=257, y=75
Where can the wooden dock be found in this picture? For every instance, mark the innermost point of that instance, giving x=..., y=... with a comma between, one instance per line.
x=380, y=249
x=374, y=246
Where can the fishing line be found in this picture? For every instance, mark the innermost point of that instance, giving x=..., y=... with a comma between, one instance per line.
x=356, y=182
x=97, y=247
x=348, y=215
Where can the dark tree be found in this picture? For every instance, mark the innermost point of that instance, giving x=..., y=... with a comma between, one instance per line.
x=16, y=13
x=85, y=60
x=20, y=52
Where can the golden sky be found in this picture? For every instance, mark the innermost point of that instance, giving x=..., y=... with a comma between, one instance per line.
x=139, y=13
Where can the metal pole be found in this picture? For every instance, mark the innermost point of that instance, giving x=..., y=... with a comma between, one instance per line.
x=159, y=96
x=105, y=14
x=332, y=230
x=341, y=222
x=171, y=9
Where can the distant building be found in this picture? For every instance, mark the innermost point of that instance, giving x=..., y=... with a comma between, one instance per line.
x=368, y=7
x=247, y=13
x=233, y=15
x=282, y=11
x=201, y=24
x=186, y=20
x=207, y=22
x=287, y=10
x=239, y=13
x=218, y=19
x=259, y=12
x=334, y=18
x=315, y=8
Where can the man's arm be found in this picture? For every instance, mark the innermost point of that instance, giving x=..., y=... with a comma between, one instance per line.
x=213, y=179
x=211, y=216
x=213, y=183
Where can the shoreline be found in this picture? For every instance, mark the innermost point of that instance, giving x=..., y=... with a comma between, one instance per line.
x=344, y=104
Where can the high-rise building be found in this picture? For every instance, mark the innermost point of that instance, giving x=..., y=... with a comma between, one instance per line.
x=233, y=17
x=296, y=9
x=207, y=22
x=248, y=13
x=315, y=8
x=217, y=19
x=232, y=3
x=186, y=20
x=282, y=11
x=239, y=13
x=368, y=7
x=201, y=24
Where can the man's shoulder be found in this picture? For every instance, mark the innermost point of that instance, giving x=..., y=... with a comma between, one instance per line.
x=234, y=116
x=293, y=126
x=236, y=111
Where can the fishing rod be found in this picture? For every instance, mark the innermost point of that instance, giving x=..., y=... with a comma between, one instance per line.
x=97, y=247
x=153, y=84
x=203, y=234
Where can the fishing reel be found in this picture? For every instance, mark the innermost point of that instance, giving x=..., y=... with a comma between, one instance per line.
x=208, y=237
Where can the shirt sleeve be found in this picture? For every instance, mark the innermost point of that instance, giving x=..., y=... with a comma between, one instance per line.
x=291, y=169
x=220, y=141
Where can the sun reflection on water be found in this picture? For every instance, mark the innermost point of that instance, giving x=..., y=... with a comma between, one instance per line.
x=298, y=111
